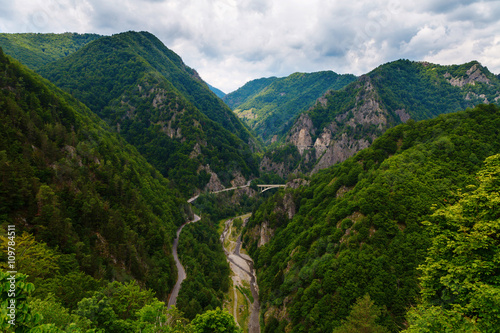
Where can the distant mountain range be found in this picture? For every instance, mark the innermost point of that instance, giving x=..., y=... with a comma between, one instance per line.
x=390, y=204
x=35, y=50
x=269, y=105
x=216, y=91
x=342, y=122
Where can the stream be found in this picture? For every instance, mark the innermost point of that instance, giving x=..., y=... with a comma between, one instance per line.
x=243, y=270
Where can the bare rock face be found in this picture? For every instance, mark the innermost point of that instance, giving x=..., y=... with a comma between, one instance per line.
x=333, y=147
x=196, y=151
x=323, y=142
x=267, y=165
x=238, y=179
x=214, y=184
x=340, y=150
x=473, y=75
x=289, y=206
x=265, y=234
x=300, y=134
x=403, y=115
x=297, y=182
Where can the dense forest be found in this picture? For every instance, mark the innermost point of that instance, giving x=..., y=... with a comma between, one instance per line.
x=206, y=268
x=95, y=64
x=347, y=120
x=360, y=228
x=402, y=236
x=67, y=179
x=423, y=90
x=35, y=50
x=146, y=93
x=87, y=209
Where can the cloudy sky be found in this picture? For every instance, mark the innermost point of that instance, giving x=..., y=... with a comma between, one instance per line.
x=230, y=42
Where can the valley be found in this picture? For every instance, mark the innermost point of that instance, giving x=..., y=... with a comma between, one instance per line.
x=243, y=276
x=146, y=200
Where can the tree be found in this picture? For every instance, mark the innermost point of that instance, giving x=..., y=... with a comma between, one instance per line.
x=215, y=321
x=155, y=318
x=362, y=318
x=460, y=275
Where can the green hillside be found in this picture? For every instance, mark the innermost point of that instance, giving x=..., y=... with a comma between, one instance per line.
x=146, y=93
x=137, y=51
x=247, y=91
x=359, y=227
x=345, y=121
x=422, y=90
x=275, y=102
x=79, y=188
x=35, y=49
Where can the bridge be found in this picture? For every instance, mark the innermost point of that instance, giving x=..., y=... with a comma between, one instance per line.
x=311, y=146
x=231, y=188
x=264, y=188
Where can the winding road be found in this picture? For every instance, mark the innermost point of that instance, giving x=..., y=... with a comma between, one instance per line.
x=181, y=272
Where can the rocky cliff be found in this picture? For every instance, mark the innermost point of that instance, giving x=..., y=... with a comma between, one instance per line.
x=341, y=123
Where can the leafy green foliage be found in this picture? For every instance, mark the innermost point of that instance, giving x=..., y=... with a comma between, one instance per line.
x=247, y=91
x=128, y=310
x=362, y=318
x=215, y=321
x=15, y=313
x=35, y=50
x=270, y=104
x=359, y=227
x=460, y=273
x=437, y=319
x=146, y=93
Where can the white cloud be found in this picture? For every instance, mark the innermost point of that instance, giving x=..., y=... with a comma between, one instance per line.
x=232, y=41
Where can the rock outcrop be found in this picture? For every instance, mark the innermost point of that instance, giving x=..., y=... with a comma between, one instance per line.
x=473, y=75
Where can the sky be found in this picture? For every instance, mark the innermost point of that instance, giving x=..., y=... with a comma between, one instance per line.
x=230, y=42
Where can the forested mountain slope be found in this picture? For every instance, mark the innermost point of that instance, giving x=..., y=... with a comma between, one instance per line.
x=358, y=228
x=35, y=50
x=146, y=93
x=269, y=105
x=78, y=187
x=346, y=121
x=247, y=91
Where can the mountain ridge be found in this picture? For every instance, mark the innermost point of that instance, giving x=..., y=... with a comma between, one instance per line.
x=267, y=105
x=80, y=188
x=345, y=121
x=35, y=49
x=146, y=92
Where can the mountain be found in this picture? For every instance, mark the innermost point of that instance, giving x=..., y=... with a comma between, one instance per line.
x=343, y=122
x=145, y=92
x=219, y=93
x=250, y=89
x=268, y=105
x=35, y=49
x=359, y=227
x=103, y=211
